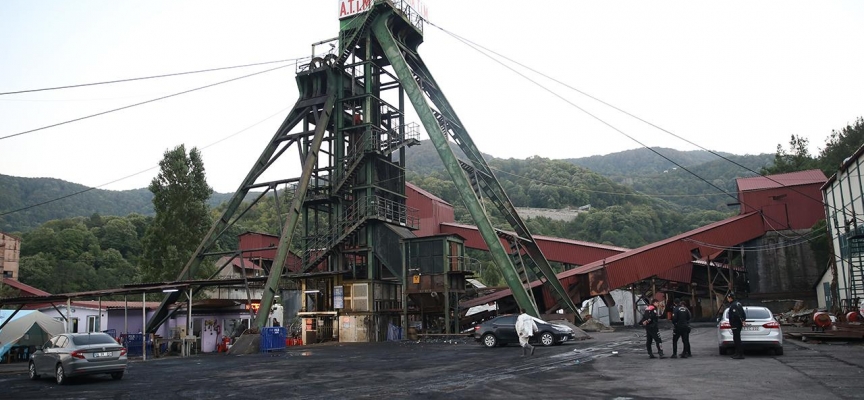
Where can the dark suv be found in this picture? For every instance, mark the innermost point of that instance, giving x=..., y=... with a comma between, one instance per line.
x=501, y=330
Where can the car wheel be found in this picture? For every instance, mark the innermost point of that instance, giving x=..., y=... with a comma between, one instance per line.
x=489, y=340
x=778, y=351
x=547, y=339
x=32, y=369
x=60, y=375
x=117, y=375
x=722, y=351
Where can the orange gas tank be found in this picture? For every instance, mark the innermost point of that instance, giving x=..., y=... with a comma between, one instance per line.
x=822, y=319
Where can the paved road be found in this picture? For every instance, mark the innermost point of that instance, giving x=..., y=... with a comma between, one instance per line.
x=458, y=369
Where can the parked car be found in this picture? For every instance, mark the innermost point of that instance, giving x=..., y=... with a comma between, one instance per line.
x=75, y=354
x=761, y=330
x=501, y=330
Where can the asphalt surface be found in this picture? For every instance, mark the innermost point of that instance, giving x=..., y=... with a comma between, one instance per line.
x=455, y=369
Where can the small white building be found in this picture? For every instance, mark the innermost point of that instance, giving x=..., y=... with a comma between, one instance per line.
x=621, y=313
x=119, y=317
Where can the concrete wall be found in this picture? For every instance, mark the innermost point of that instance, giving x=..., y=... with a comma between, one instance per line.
x=784, y=267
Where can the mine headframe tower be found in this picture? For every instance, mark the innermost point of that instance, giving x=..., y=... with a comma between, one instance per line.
x=350, y=130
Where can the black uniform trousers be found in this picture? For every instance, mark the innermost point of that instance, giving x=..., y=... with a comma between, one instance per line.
x=683, y=333
x=652, y=334
x=736, y=338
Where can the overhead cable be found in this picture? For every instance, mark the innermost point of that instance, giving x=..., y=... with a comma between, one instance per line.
x=586, y=112
x=143, y=102
x=150, y=77
x=137, y=173
x=467, y=41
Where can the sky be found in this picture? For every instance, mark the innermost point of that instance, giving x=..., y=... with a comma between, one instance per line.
x=731, y=76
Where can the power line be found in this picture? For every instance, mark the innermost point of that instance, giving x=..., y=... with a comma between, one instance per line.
x=794, y=242
x=586, y=112
x=602, y=121
x=464, y=40
x=150, y=77
x=137, y=173
x=142, y=103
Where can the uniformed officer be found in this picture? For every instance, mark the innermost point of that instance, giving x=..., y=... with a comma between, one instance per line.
x=737, y=315
x=681, y=329
x=652, y=329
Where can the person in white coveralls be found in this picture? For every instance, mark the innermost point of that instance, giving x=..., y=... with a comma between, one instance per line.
x=525, y=328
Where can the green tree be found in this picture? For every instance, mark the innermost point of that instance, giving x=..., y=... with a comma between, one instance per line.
x=120, y=234
x=38, y=271
x=798, y=158
x=840, y=145
x=113, y=270
x=180, y=193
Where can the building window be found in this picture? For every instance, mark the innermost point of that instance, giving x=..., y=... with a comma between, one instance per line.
x=93, y=323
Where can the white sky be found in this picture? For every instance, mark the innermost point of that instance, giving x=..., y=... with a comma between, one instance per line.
x=732, y=76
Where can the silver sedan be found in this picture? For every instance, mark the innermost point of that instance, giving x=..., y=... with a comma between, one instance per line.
x=75, y=354
x=761, y=330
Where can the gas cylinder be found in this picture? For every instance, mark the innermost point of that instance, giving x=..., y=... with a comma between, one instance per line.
x=822, y=319
x=853, y=316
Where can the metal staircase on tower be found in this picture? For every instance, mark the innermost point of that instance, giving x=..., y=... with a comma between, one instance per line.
x=854, y=256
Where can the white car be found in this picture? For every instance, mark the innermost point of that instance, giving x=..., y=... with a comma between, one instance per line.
x=761, y=330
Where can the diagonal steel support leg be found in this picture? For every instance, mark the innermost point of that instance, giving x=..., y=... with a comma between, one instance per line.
x=321, y=125
x=439, y=139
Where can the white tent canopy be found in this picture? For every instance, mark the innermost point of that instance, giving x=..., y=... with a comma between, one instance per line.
x=27, y=328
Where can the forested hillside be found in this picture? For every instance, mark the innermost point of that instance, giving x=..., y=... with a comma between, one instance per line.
x=693, y=190
x=643, y=161
x=619, y=215
x=44, y=199
x=18, y=193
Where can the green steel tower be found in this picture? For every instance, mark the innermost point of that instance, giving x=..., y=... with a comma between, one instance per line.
x=349, y=127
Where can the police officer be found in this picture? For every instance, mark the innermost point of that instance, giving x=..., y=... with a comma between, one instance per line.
x=652, y=329
x=681, y=323
x=736, y=320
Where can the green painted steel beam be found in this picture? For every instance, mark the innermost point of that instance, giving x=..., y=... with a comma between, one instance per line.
x=294, y=117
x=416, y=96
x=492, y=187
x=322, y=123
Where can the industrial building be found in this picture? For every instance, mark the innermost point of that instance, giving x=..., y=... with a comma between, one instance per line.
x=361, y=253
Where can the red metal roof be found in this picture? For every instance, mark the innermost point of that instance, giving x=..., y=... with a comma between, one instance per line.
x=781, y=180
x=669, y=259
x=409, y=185
x=569, y=251
x=658, y=257
x=25, y=289
x=235, y=262
x=682, y=273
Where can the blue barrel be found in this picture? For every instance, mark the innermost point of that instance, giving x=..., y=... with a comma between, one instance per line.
x=273, y=338
x=135, y=345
